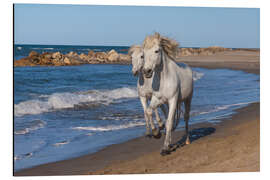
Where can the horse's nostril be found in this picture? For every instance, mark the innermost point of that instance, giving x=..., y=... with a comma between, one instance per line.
x=147, y=71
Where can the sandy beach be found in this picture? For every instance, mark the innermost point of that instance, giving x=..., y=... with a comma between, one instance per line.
x=230, y=146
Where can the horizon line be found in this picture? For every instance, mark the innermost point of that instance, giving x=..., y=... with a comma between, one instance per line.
x=131, y=45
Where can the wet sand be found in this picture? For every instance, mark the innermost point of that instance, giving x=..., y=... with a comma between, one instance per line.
x=230, y=146
x=248, y=61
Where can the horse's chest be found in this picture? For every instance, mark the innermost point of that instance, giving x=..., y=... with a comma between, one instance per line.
x=145, y=91
x=159, y=96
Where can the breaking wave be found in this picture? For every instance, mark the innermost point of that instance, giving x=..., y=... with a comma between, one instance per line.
x=58, y=101
x=61, y=143
x=110, y=127
x=34, y=125
x=197, y=75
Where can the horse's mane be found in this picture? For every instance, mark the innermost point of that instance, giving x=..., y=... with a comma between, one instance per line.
x=134, y=48
x=170, y=46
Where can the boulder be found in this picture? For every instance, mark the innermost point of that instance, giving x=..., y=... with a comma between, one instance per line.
x=56, y=62
x=46, y=55
x=45, y=61
x=124, y=57
x=91, y=54
x=113, y=56
x=84, y=57
x=67, y=61
x=101, y=56
x=33, y=54
x=57, y=55
x=71, y=53
x=23, y=62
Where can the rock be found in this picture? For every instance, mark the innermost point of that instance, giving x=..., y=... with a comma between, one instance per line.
x=34, y=57
x=56, y=62
x=35, y=60
x=113, y=56
x=46, y=61
x=124, y=57
x=23, y=62
x=71, y=53
x=84, y=57
x=101, y=56
x=91, y=54
x=46, y=55
x=67, y=61
x=57, y=55
x=33, y=54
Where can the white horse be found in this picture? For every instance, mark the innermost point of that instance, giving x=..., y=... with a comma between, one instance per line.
x=144, y=86
x=172, y=84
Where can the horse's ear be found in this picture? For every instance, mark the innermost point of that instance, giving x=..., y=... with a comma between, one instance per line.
x=157, y=35
x=132, y=49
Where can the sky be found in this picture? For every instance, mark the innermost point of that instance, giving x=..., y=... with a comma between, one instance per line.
x=128, y=25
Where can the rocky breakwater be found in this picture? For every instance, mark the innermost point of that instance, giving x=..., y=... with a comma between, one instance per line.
x=72, y=58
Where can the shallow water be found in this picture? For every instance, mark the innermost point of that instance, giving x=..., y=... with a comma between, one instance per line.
x=63, y=112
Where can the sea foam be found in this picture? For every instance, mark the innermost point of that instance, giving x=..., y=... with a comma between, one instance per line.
x=197, y=75
x=58, y=101
x=109, y=127
x=35, y=125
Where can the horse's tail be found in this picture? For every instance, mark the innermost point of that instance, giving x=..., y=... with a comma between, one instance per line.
x=177, y=116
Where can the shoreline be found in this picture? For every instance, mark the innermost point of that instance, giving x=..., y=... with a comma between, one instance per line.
x=122, y=159
x=232, y=145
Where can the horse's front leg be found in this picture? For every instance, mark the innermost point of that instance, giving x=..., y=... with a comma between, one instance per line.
x=169, y=125
x=160, y=123
x=149, y=111
x=164, y=108
x=144, y=104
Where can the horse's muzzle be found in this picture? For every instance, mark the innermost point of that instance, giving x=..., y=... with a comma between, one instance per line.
x=135, y=73
x=148, y=73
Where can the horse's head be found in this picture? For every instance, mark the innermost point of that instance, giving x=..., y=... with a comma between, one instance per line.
x=137, y=58
x=153, y=47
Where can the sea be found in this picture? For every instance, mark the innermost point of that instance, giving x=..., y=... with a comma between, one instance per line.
x=69, y=111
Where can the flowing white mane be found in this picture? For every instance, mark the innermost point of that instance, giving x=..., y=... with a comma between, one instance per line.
x=169, y=46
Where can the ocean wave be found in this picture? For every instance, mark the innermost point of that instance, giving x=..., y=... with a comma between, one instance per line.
x=219, y=108
x=34, y=125
x=109, y=127
x=61, y=143
x=197, y=75
x=58, y=101
x=22, y=156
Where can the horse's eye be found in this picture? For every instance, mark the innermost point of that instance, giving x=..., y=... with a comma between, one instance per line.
x=156, y=51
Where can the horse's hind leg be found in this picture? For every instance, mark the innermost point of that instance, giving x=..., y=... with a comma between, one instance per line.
x=186, y=117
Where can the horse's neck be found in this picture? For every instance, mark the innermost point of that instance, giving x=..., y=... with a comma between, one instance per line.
x=143, y=81
x=164, y=69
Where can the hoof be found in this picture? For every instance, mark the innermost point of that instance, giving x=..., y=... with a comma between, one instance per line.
x=148, y=135
x=165, y=152
x=156, y=133
x=187, y=140
x=162, y=127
